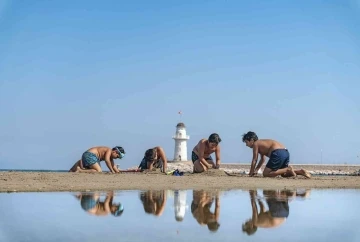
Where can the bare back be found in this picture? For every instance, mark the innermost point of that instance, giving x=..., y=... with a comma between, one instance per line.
x=99, y=151
x=207, y=151
x=265, y=220
x=266, y=146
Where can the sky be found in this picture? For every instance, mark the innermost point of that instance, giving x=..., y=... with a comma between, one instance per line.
x=78, y=74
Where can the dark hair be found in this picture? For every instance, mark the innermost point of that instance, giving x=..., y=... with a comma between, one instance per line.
x=150, y=154
x=121, y=149
x=213, y=226
x=250, y=136
x=250, y=230
x=214, y=138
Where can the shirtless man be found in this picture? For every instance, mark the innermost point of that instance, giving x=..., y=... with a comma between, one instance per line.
x=154, y=158
x=201, y=154
x=278, y=163
x=90, y=160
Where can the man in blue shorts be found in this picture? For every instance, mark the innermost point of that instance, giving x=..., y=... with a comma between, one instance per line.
x=278, y=163
x=90, y=159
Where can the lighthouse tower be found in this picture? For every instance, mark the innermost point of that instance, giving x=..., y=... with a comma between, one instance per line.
x=180, y=138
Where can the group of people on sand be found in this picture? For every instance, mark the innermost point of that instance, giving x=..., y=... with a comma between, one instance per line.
x=278, y=154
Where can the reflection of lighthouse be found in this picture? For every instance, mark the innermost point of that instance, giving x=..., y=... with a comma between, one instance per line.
x=180, y=138
x=179, y=204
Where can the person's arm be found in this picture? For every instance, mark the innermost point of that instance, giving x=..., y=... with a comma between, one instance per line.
x=254, y=208
x=116, y=169
x=254, y=159
x=108, y=202
x=201, y=155
x=261, y=162
x=150, y=165
x=262, y=206
x=217, y=156
x=217, y=207
x=163, y=158
x=114, y=166
x=109, y=161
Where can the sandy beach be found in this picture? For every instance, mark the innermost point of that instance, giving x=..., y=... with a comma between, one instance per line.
x=214, y=179
x=314, y=169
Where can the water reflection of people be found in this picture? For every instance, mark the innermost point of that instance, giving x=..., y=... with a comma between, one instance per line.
x=153, y=202
x=278, y=203
x=200, y=209
x=92, y=204
x=179, y=204
x=302, y=194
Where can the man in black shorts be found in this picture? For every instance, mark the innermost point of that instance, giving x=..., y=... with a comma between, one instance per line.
x=278, y=163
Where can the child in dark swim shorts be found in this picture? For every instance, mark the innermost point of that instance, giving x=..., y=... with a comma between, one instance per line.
x=201, y=154
x=279, y=157
x=154, y=158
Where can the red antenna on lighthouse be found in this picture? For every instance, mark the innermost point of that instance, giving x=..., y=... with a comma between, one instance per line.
x=180, y=113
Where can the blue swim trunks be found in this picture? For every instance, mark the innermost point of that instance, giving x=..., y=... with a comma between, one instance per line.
x=88, y=202
x=279, y=159
x=89, y=159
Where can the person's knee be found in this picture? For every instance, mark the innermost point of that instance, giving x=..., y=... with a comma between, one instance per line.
x=266, y=172
x=198, y=168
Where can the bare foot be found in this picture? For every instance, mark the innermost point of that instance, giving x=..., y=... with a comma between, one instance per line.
x=303, y=194
x=78, y=169
x=305, y=173
x=290, y=171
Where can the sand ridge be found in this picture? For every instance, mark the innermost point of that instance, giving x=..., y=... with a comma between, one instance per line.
x=213, y=179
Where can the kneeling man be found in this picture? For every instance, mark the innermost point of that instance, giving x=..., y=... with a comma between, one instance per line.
x=90, y=160
x=154, y=158
x=278, y=163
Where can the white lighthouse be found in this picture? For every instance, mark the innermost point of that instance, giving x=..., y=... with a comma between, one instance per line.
x=180, y=138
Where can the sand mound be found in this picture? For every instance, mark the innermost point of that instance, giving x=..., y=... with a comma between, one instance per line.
x=212, y=172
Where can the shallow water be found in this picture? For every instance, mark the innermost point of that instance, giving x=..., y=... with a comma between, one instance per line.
x=236, y=215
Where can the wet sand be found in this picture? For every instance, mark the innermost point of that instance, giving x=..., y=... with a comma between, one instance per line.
x=213, y=179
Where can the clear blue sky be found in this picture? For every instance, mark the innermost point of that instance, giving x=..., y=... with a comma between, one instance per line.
x=76, y=74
